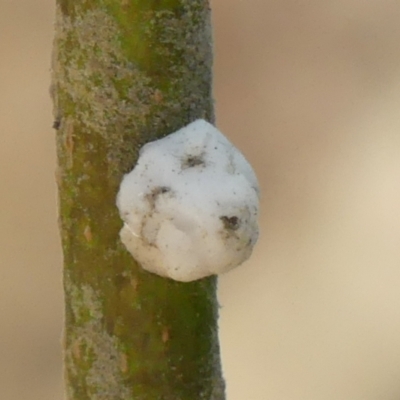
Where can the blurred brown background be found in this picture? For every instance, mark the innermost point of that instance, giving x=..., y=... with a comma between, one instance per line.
x=310, y=91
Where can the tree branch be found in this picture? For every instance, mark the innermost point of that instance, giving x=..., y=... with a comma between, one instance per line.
x=124, y=73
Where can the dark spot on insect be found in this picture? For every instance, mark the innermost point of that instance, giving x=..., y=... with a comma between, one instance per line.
x=192, y=161
x=163, y=189
x=157, y=191
x=230, y=223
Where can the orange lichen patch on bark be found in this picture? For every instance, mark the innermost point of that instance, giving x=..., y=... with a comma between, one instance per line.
x=134, y=283
x=123, y=363
x=76, y=349
x=88, y=233
x=69, y=143
x=158, y=96
x=165, y=334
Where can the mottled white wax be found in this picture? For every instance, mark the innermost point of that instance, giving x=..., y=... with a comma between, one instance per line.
x=190, y=205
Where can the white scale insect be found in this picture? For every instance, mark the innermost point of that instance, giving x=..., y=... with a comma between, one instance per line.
x=190, y=205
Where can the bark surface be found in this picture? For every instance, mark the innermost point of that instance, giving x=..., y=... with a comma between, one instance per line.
x=125, y=73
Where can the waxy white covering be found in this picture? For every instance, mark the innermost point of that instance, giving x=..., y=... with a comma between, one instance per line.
x=190, y=205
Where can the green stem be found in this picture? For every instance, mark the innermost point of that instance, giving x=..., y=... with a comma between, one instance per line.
x=124, y=73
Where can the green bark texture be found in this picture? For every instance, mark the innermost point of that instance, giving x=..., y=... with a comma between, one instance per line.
x=126, y=72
